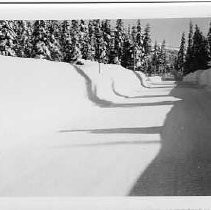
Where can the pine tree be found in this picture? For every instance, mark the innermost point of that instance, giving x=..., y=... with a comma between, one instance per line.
x=189, y=56
x=147, y=58
x=100, y=45
x=54, y=28
x=139, y=41
x=92, y=39
x=106, y=26
x=181, y=55
x=53, y=40
x=106, y=30
x=119, y=39
x=155, y=58
x=135, y=49
x=163, y=59
x=75, y=44
x=40, y=40
x=84, y=39
x=129, y=32
x=199, y=50
x=127, y=55
x=23, y=30
x=7, y=38
x=147, y=40
x=65, y=40
x=209, y=41
x=112, y=56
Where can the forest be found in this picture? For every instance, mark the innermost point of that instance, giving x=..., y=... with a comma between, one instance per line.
x=96, y=40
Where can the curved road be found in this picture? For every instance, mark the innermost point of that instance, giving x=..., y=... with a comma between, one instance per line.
x=154, y=143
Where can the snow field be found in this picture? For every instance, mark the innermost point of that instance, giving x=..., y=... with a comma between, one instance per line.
x=53, y=137
x=38, y=96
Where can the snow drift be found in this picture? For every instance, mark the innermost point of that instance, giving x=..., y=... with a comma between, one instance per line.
x=155, y=79
x=35, y=92
x=52, y=135
x=110, y=81
x=200, y=77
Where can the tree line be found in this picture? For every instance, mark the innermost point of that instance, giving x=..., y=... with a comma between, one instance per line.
x=197, y=54
x=96, y=40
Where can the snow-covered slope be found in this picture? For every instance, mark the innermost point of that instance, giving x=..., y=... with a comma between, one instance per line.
x=38, y=92
x=38, y=95
x=201, y=77
x=64, y=128
x=155, y=79
x=110, y=81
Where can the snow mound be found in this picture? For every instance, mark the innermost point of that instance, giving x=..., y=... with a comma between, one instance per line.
x=203, y=78
x=35, y=92
x=192, y=77
x=110, y=81
x=200, y=77
x=155, y=79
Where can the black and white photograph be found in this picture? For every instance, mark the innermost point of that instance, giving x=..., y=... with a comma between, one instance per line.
x=105, y=106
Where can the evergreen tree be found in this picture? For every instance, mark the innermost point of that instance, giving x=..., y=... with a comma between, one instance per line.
x=129, y=32
x=75, y=44
x=54, y=28
x=53, y=40
x=66, y=41
x=147, y=58
x=199, y=50
x=147, y=40
x=155, y=58
x=112, y=57
x=189, y=55
x=106, y=29
x=92, y=40
x=100, y=45
x=7, y=38
x=127, y=55
x=135, y=48
x=84, y=40
x=119, y=39
x=139, y=41
x=139, y=35
x=40, y=40
x=133, y=35
x=209, y=41
x=23, y=31
x=181, y=55
x=162, y=58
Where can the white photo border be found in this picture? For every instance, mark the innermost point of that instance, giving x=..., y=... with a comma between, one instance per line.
x=59, y=11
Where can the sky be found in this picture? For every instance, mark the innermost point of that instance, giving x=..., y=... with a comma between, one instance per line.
x=171, y=29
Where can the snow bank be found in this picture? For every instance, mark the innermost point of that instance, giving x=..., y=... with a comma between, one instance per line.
x=39, y=95
x=144, y=79
x=201, y=77
x=38, y=92
x=192, y=77
x=155, y=79
x=110, y=81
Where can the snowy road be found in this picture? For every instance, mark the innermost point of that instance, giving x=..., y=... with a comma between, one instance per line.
x=157, y=143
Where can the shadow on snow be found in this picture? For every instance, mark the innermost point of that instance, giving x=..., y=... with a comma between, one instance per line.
x=92, y=96
x=183, y=165
x=141, y=130
x=133, y=97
